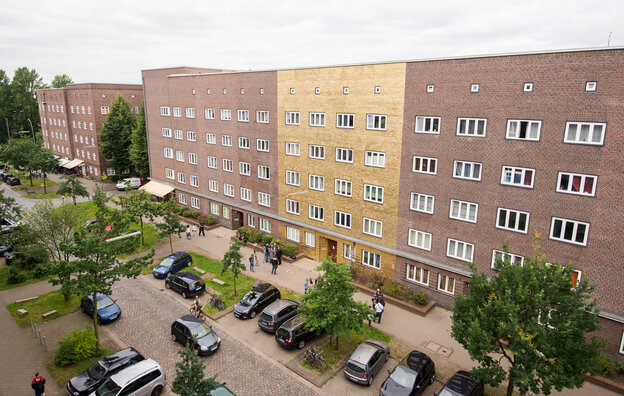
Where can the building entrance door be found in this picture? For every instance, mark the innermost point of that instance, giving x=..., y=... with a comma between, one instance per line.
x=237, y=219
x=332, y=247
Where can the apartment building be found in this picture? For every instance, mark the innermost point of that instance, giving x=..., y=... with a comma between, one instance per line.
x=71, y=118
x=410, y=170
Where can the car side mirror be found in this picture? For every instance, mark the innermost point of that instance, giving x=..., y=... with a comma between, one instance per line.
x=417, y=386
x=389, y=372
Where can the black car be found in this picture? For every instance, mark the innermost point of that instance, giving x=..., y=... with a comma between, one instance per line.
x=461, y=384
x=410, y=377
x=206, y=340
x=186, y=283
x=261, y=295
x=273, y=316
x=13, y=181
x=5, y=176
x=89, y=380
x=293, y=333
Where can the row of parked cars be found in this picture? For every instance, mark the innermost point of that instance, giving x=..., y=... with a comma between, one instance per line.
x=10, y=179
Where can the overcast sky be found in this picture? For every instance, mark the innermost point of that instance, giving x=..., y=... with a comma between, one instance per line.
x=112, y=41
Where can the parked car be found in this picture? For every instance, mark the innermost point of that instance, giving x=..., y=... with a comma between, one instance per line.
x=172, y=264
x=143, y=378
x=221, y=390
x=131, y=182
x=366, y=361
x=13, y=181
x=185, y=283
x=274, y=315
x=293, y=333
x=5, y=176
x=108, y=310
x=261, y=295
x=461, y=384
x=89, y=380
x=8, y=225
x=410, y=377
x=9, y=255
x=188, y=326
x=5, y=248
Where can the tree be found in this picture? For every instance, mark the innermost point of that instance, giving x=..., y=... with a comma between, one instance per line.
x=232, y=261
x=23, y=154
x=138, y=147
x=171, y=224
x=72, y=187
x=9, y=207
x=24, y=88
x=61, y=80
x=139, y=206
x=6, y=105
x=330, y=306
x=115, y=134
x=528, y=325
x=190, y=378
x=46, y=162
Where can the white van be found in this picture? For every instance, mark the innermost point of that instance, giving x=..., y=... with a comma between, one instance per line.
x=145, y=378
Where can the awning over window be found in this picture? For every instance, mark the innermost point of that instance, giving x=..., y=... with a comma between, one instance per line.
x=156, y=188
x=63, y=161
x=73, y=163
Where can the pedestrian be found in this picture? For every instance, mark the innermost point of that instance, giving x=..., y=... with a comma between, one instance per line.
x=194, y=230
x=370, y=316
x=311, y=283
x=274, y=248
x=274, y=265
x=278, y=254
x=251, y=262
x=38, y=384
x=379, y=308
x=256, y=262
x=378, y=295
x=266, y=251
x=201, y=228
x=305, y=286
x=188, y=232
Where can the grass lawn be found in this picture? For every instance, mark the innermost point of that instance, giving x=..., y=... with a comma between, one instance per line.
x=42, y=195
x=288, y=294
x=62, y=374
x=43, y=304
x=37, y=183
x=4, y=285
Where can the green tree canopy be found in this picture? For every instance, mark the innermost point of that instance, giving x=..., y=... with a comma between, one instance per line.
x=170, y=223
x=190, y=378
x=71, y=186
x=9, y=207
x=23, y=153
x=115, y=134
x=138, y=207
x=232, y=261
x=24, y=88
x=138, y=147
x=6, y=105
x=46, y=162
x=528, y=325
x=61, y=80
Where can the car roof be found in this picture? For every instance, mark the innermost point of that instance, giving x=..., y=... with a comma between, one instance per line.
x=121, y=355
x=280, y=304
x=128, y=374
x=177, y=254
x=365, y=350
x=189, y=321
x=100, y=296
x=262, y=287
x=293, y=322
x=416, y=360
x=186, y=275
x=461, y=382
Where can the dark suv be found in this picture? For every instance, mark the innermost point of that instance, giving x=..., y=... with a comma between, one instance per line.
x=171, y=264
x=206, y=340
x=89, y=380
x=186, y=283
x=410, y=377
x=277, y=313
x=462, y=384
x=293, y=333
x=261, y=295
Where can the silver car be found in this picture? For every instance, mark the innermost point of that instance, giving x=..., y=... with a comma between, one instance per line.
x=145, y=378
x=366, y=361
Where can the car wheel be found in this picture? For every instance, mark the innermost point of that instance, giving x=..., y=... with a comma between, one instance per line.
x=173, y=337
x=83, y=310
x=387, y=356
x=188, y=264
x=168, y=285
x=184, y=294
x=301, y=344
x=252, y=314
x=157, y=391
x=370, y=380
x=99, y=320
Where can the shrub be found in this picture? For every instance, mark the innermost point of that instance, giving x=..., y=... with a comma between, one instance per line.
x=289, y=249
x=41, y=271
x=393, y=289
x=606, y=365
x=28, y=257
x=16, y=275
x=267, y=239
x=244, y=232
x=620, y=367
x=186, y=213
x=195, y=214
x=419, y=298
x=74, y=347
x=256, y=237
x=377, y=282
x=179, y=209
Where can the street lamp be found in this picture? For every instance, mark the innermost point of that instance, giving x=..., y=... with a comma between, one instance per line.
x=8, y=131
x=32, y=130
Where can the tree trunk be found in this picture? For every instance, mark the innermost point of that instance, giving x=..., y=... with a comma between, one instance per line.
x=234, y=285
x=142, y=236
x=45, y=191
x=336, y=342
x=74, y=198
x=30, y=177
x=331, y=337
x=95, y=323
x=170, y=244
x=510, y=385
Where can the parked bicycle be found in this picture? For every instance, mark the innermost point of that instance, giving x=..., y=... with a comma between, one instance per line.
x=315, y=359
x=200, y=315
x=217, y=302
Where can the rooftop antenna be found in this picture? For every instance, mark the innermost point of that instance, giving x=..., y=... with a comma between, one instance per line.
x=609, y=40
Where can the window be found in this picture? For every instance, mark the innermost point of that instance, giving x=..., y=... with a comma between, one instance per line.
x=523, y=129
x=317, y=119
x=262, y=116
x=309, y=239
x=179, y=156
x=417, y=274
x=576, y=183
x=621, y=351
x=190, y=112
x=292, y=206
x=512, y=220
x=527, y=87
x=372, y=227
x=181, y=178
x=264, y=172
x=419, y=239
x=427, y=124
x=292, y=178
x=245, y=194
x=243, y=115
x=292, y=118
x=348, y=251
x=344, y=120
x=430, y=88
x=422, y=203
x=228, y=189
x=373, y=193
x=342, y=187
x=226, y=212
x=345, y=90
x=519, y=177
x=513, y=258
x=375, y=158
x=446, y=284
x=467, y=170
x=425, y=165
x=316, y=182
x=168, y=152
x=292, y=234
x=226, y=114
x=214, y=208
x=590, y=86
x=585, y=133
x=169, y=173
x=212, y=162
x=474, y=88
x=344, y=155
x=209, y=114
x=191, y=136
x=243, y=143
x=251, y=220
x=464, y=211
x=371, y=259
x=244, y=168
x=192, y=158
x=460, y=250
x=570, y=231
x=264, y=199
x=316, y=213
x=177, y=134
x=265, y=225
x=316, y=152
x=182, y=198
x=471, y=127
x=211, y=138
x=228, y=165
x=342, y=219
x=226, y=140
x=292, y=149
x=177, y=112
x=376, y=122
x=213, y=185
x=165, y=111
x=262, y=145
x=194, y=181
x=104, y=110
x=194, y=203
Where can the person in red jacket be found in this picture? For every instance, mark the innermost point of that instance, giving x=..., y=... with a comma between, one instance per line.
x=38, y=384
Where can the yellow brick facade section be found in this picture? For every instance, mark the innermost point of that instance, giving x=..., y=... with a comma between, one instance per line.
x=297, y=92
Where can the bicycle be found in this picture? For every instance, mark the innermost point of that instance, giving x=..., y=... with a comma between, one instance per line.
x=315, y=359
x=217, y=302
x=193, y=310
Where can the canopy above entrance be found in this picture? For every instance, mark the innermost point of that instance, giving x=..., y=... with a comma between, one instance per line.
x=156, y=188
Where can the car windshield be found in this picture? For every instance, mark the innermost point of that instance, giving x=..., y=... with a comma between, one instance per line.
x=166, y=262
x=403, y=377
x=108, y=388
x=201, y=331
x=250, y=298
x=105, y=302
x=96, y=371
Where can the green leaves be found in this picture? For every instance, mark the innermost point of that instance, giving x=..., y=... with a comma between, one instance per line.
x=190, y=378
x=115, y=134
x=138, y=146
x=232, y=260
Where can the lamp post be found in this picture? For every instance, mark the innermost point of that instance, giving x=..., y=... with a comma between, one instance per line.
x=8, y=131
x=32, y=130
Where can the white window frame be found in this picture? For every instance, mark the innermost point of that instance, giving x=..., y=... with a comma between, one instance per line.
x=177, y=134
x=375, y=193
x=375, y=159
x=182, y=198
x=316, y=212
x=342, y=219
x=419, y=239
x=348, y=251
x=226, y=212
x=214, y=208
x=226, y=140
x=310, y=239
x=179, y=155
x=262, y=116
x=344, y=155
x=316, y=151
x=370, y=259
x=474, y=122
x=228, y=190
x=211, y=138
x=317, y=119
x=181, y=178
x=345, y=120
x=226, y=114
x=372, y=227
x=211, y=162
x=209, y=113
x=192, y=158
x=244, y=143
x=245, y=194
x=583, y=178
x=429, y=202
x=177, y=111
x=459, y=250
x=514, y=258
x=292, y=118
x=264, y=172
x=165, y=111
x=293, y=207
x=418, y=276
x=461, y=167
x=513, y=170
x=591, y=127
x=244, y=168
x=168, y=152
x=376, y=122
x=264, y=199
x=424, y=164
x=316, y=182
x=194, y=180
x=445, y=287
x=428, y=125
x=191, y=136
x=515, y=126
x=293, y=148
x=262, y=145
x=343, y=187
x=190, y=112
x=213, y=185
x=512, y=215
x=243, y=116
x=463, y=207
x=292, y=234
x=166, y=132
x=228, y=165
x=575, y=224
x=293, y=178
x=195, y=203
x=169, y=173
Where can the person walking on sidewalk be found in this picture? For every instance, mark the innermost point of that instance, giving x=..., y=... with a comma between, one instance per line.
x=274, y=265
x=278, y=254
x=194, y=230
x=305, y=286
x=256, y=262
x=379, y=308
x=38, y=384
x=266, y=251
x=251, y=262
x=201, y=228
x=188, y=232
